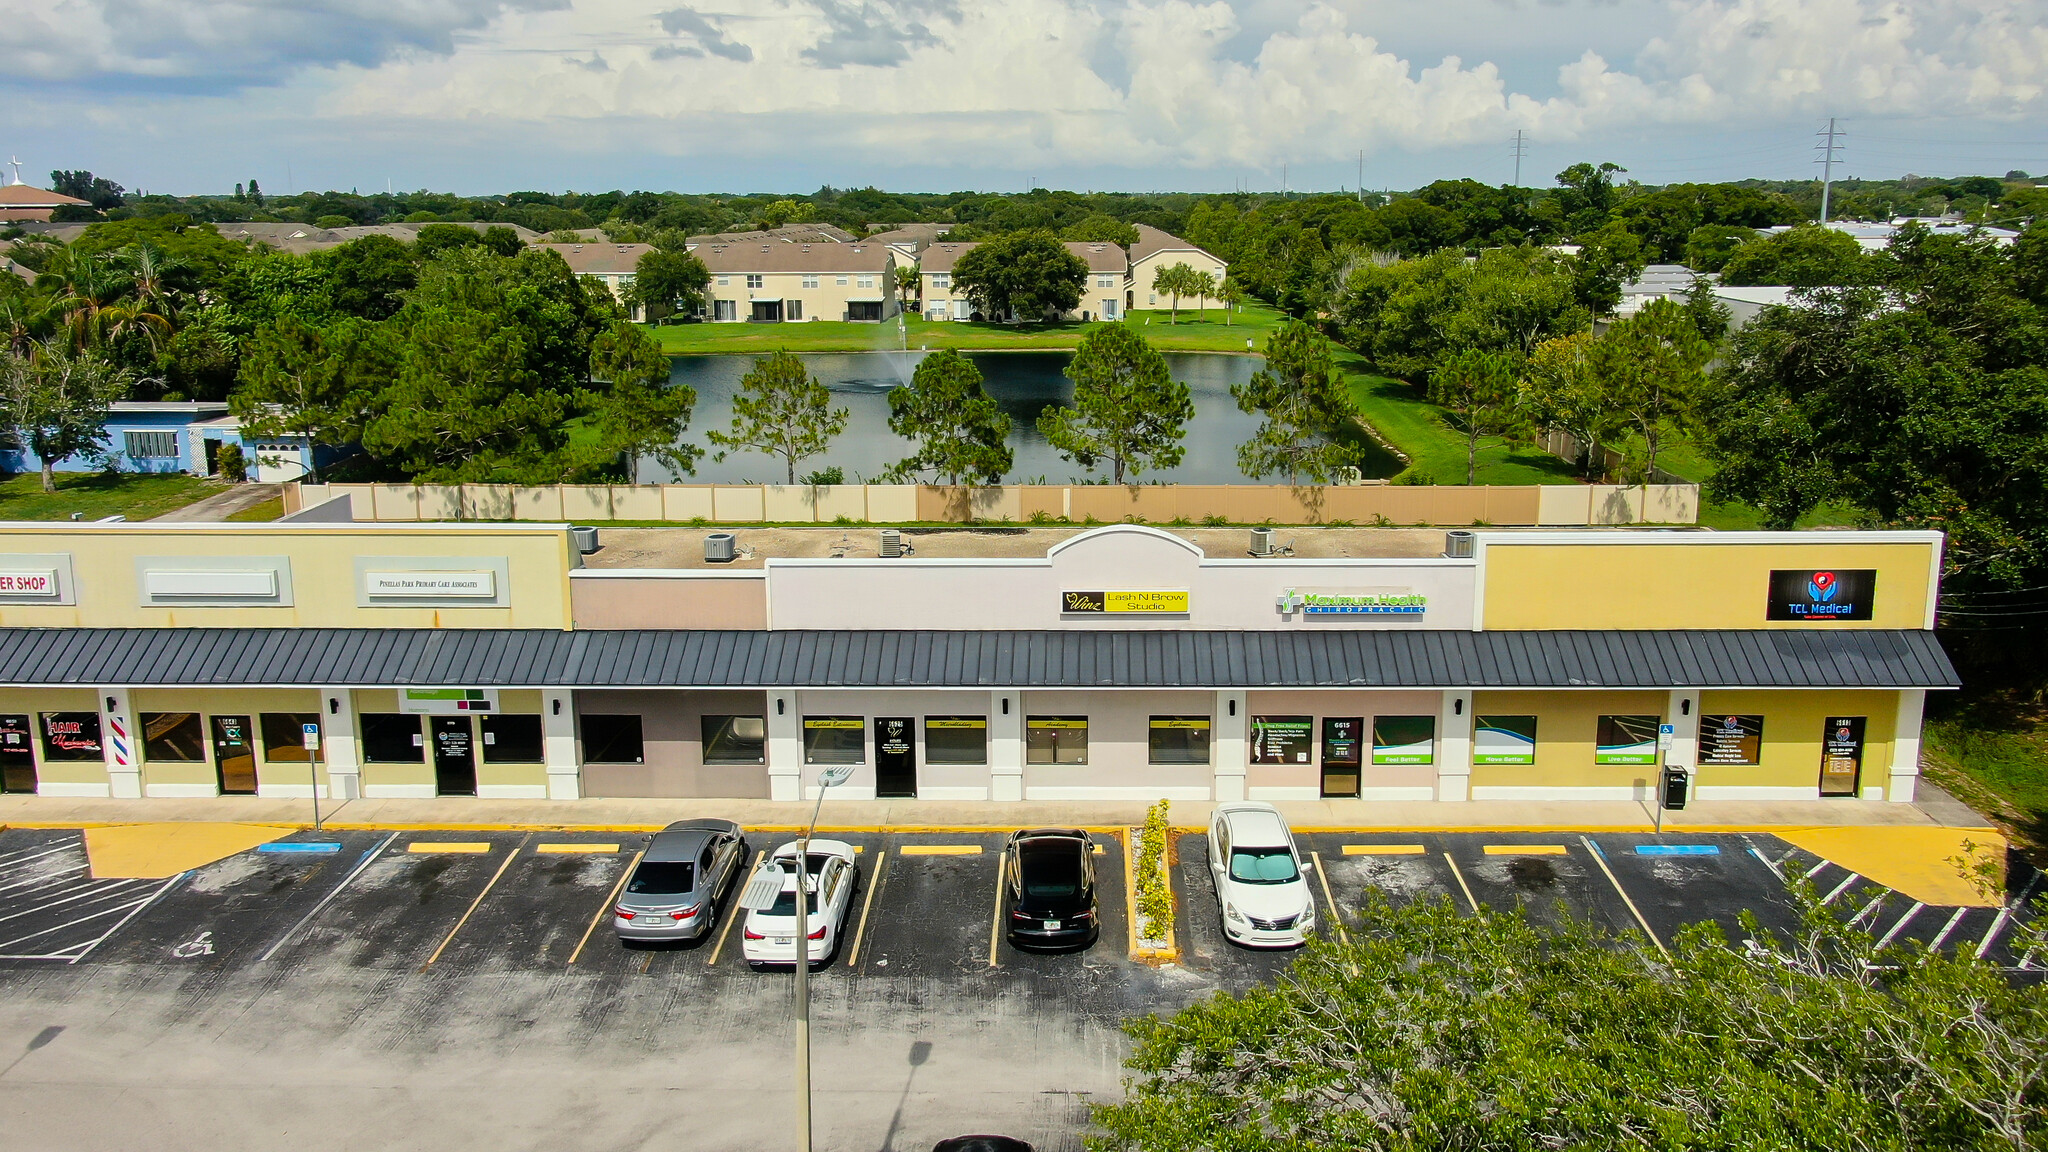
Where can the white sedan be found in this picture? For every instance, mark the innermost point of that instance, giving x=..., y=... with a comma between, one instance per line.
x=1261, y=881
x=769, y=936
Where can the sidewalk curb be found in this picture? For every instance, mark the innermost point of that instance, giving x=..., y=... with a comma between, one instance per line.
x=993, y=828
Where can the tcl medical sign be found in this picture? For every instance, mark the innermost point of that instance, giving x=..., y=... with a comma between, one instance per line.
x=1821, y=595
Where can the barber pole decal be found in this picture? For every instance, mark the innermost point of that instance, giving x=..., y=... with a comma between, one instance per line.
x=119, y=743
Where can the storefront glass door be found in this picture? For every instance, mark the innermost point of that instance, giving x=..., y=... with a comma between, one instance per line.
x=454, y=756
x=895, y=757
x=1343, y=754
x=234, y=755
x=17, y=755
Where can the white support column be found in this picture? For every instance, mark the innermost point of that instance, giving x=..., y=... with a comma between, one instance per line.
x=1682, y=712
x=785, y=745
x=338, y=743
x=1005, y=746
x=1906, y=746
x=1228, y=750
x=1454, y=746
x=120, y=743
x=558, y=740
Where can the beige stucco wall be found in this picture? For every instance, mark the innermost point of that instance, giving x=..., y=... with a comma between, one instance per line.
x=1793, y=733
x=827, y=301
x=1566, y=725
x=671, y=731
x=168, y=777
x=32, y=702
x=1304, y=781
x=952, y=781
x=1142, y=272
x=1119, y=731
x=621, y=598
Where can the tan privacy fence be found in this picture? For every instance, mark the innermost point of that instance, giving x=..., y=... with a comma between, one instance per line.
x=1560, y=505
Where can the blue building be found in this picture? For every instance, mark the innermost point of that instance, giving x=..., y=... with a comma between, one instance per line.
x=184, y=436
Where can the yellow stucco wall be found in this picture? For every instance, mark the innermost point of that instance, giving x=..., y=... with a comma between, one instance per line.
x=34, y=701
x=1792, y=736
x=211, y=702
x=1687, y=584
x=511, y=701
x=1565, y=727
x=323, y=574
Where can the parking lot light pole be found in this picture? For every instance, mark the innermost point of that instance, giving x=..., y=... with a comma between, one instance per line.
x=831, y=777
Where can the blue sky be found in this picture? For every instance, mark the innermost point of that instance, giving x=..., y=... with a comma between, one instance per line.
x=480, y=96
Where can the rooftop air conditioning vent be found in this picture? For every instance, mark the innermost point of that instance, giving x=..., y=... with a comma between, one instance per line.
x=892, y=543
x=1458, y=544
x=1262, y=541
x=718, y=548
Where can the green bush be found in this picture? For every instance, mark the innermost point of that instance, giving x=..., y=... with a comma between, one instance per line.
x=234, y=466
x=1155, y=895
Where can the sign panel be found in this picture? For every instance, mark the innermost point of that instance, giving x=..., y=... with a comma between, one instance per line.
x=956, y=722
x=447, y=701
x=41, y=582
x=1503, y=739
x=1404, y=739
x=1626, y=740
x=1343, y=741
x=252, y=583
x=1354, y=601
x=452, y=585
x=853, y=722
x=1821, y=595
x=1841, y=755
x=1731, y=739
x=1282, y=739
x=1188, y=723
x=1146, y=603
x=309, y=735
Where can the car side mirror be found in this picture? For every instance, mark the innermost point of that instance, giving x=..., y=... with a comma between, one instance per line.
x=1308, y=865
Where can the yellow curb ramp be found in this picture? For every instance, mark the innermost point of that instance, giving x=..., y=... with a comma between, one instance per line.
x=157, y=851
x=1911, y=860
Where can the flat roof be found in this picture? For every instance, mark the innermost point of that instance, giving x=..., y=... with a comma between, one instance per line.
x=682, y=547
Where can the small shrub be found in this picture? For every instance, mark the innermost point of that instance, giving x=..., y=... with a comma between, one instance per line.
x=1155, y=895
x=842, y=518
x=1216, y=520
x=234, y=467
x=1040, y=517
x=1380, y=521
x=825, y=476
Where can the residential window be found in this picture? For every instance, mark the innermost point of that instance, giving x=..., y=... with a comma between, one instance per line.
x=1056, y=740
x=612, y=740
x=393, y=738
x=152, y=445
x=810, y=280
x=866, y=282
x=625, y=281
x=735, y=739
x=840, y=280
x=792, y=309
x=942, y=279
x=1178, y=740
x=177, y=737
x=956, y=739
x=835, y=740
x=284, y=736
x=754, y=281
x=725, y=281
x=71, y=736
x=512, y=739
x=1151, y=299
x=1104, y=282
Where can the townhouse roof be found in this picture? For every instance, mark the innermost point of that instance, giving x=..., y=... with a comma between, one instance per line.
x=776, y=256
x=813, y=233
x=1101, y=256
x=912, y=236
x=1152, y=241
x=941, y=257
x=1353, y=658
x=30, y=196
x=600, y=259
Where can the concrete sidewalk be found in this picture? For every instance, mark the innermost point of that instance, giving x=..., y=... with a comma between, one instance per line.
x=1935, y=809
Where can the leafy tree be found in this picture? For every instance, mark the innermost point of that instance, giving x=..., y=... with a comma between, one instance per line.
x=1030, y=275
x=434, y=239
x=1410, y=315
x=1174, y=280
x=502, y=240
x=1652, y=369
x=1805, y=257
x=54, y=401
x=1201, y=285
x=665, y=283
x=1709, y=246
x=1307, y=411
x=1433, y=1029
x=1101, y=229
x=1477, y=388
x=367, y=278
x=1232, y=295
x=781, y=410
x=638, y=414
x=1129, y=411
x=961, y=432
x=101, y=192
x=1561, y=391
x=1586, y=194
x=300, y=381
x=907, y=282
x=1609, y=257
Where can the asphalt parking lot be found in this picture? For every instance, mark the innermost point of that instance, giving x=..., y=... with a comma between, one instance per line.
x=458, y=989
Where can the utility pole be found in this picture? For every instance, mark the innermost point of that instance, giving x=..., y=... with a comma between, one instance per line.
x=1827, y=162
x=1361, y=175
x=1521, y=150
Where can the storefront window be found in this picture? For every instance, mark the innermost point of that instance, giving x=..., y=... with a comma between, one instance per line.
x=735, y=739
x=1179, y=740
x=1626, y=740
x=393, y=738
x=71, y=736
x=1403, y=739
x=1282, y=739
x=835, y=740
x=1731, y=740
x=1056, y=740
x=1503, y=739
x=612, y=740
x=284, y=736
x=510, y=739
x=175, y=737
x=956, y=739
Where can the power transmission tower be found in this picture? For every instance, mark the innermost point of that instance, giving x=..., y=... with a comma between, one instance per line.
x=1827, y=162
x=1521, y=150
x=1361, y=175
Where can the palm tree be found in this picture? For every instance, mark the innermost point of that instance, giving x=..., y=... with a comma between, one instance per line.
x=1232, y=296
x=1203, y=286
x=906, y=285
x=1172, y=280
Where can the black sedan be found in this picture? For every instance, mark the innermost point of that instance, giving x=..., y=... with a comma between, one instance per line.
x=1050, y=889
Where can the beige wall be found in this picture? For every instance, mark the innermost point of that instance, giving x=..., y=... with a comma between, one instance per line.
x=671, y=728
x=165, y=778
x=1119, y=731
x=827, y=301
x=323, y=574
x=934, y=781
x=1305, y=781
x=1143, y=270
x=32, y=702
x=624, y=598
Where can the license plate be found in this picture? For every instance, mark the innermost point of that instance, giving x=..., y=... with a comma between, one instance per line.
x=785, y=939
x=1051, y=925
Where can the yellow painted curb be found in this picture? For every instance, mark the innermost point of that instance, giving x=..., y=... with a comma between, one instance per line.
x=1523, y=849
x=155, y=851
x=1383, y=849
x=1914, y=861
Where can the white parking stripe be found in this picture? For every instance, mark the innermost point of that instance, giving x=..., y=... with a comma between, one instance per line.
x=1894, y=931
x=63, y=884
x=365, y=862
x=1935, y=944
x=2004, y=916
x=1839, y=889
x=153, y=897
x=24, y=855
x=73, y=923
x=99, y=891
x=44, y=878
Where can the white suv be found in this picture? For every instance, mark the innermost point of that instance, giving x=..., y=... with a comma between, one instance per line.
x=1261, y=881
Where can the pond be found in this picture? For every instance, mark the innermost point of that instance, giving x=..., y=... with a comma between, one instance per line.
x=1024, y=383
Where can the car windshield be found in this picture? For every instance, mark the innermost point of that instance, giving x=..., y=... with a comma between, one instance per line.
x=1050, y=873
x=1263, y=866
x=785, y=904
x=662, y=877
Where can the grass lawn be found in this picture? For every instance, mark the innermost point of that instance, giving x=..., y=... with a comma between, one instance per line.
x=260, y=513
x=1189, y=335
x=1435, y=449
x=98, y=495
x=1999, y=767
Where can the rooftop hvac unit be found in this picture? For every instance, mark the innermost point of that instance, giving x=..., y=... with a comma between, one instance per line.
x=585, y=538
x=1262, y=541
x=718, y=547
x=1458, y=544
x=892, y=543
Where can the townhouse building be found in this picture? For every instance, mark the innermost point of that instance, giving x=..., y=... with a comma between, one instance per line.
x=775, y=282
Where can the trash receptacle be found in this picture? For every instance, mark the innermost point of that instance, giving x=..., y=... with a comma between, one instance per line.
x=1677, y=783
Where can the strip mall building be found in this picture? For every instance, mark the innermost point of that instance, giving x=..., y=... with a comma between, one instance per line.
x=415, y=660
